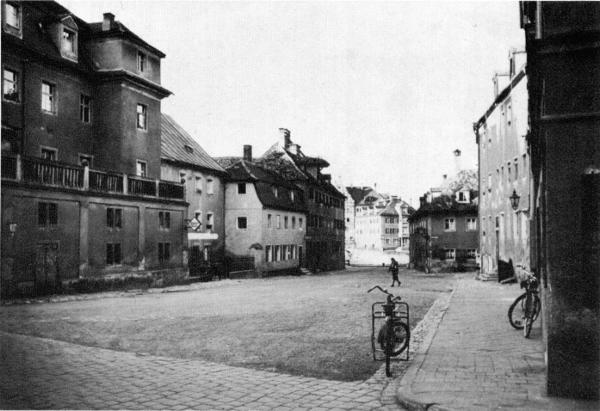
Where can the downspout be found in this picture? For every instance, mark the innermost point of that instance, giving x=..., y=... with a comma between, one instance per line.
x=538, y=20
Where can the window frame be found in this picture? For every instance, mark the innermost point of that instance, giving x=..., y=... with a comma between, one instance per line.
x=142, y=62
x=85, y=107
x=114, y=217
x=164, y=252
x=113, y=247
x=241, y=188
x=468, y=226
x=144, y=116
x=452, y=252
x=210, y=186
x=53, y=97
x=46, y=149
x=210, y=220
x=450, y=224
x=15, y=82
x=64, y=40
x=47, y=214
x=8, y=27
x=241, y=219
x=138, y=170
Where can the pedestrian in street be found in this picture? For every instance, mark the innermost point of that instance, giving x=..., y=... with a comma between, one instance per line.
x=394, y=269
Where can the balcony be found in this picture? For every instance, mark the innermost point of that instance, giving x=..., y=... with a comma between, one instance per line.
x=37, y=171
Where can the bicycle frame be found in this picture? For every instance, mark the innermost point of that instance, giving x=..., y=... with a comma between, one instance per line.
x=388, y=312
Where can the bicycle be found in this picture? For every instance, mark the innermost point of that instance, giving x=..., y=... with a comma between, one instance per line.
x=394, y=335
x=526, y=308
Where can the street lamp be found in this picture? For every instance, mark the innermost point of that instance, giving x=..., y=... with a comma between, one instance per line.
x=514, y=200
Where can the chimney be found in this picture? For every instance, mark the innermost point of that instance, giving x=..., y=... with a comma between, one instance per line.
x=445, y=177
x=248, y=152
x=285, y=134
x=108, y=21
x=326, y=178
x=457, y=161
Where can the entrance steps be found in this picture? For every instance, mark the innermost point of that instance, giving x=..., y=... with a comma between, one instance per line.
x=488, y=277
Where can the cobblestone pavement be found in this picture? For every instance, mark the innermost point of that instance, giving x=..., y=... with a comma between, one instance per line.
x=47, y=374
x=476, y=360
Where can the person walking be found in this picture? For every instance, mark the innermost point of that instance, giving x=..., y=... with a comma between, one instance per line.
x=394, y=269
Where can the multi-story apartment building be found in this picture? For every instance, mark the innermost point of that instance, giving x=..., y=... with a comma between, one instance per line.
x=443, y=231
x=325, y=228
x=380, y=220
x=81, y=194
x=501, y=135
x=265, y=218
x=184, y=160
x=563, y=81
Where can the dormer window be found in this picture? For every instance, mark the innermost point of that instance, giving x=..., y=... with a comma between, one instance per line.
x=188, y=148
x=463, y=197
x=142, y=63
x=13, y=18
x=69, y=44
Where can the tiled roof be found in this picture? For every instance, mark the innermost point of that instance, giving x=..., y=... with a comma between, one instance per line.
x=265, y=180
x=226, y=162
x=444, y=205
x=178, y=146
x=390, y=209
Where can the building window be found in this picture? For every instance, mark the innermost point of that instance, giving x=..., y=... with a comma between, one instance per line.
x=471, y=224
x=278, y=221
x=85, y=160
x=276, y=253
x=269, y=220
x=164, y=252
x=10, y=85
x=113, y=253
x=47, y=214
x=142, y=117
x=471, y=253
x=164, y=220
x=285, y=222
x=241, y=188
x=49, y=154
x=114, y=217
x=141, y=62
x=209, y=221
x=48, y=97
x=300, y=222
x=198, y=184
x=275, y=192
x=516, y=169
x=284, y=249
x=292, y=195
x=210, y=188
x=242, y=223
x=69, y=42
x=268, y=255
x=449, y=253
x=13, y=23
x=449, y=224
x=84, y=108
x=293, y=223
x=141, y=168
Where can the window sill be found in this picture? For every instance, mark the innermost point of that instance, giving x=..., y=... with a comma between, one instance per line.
x=50, y=113
x=5, y=100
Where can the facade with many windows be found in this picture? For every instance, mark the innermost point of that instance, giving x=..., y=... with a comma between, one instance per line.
x=504, y=173
x=185, y=161
x=325, y=228
x=81, y=188
x=444, y=231
x=265, y=219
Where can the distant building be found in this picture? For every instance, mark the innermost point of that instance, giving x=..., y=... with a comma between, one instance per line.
x=185, y=161
x=354, y=195
x=501, y=136
x=563, y=81
x=265, y=218
x=443, y=231
x=81, y=194
x=381, y=220
x=325, y=229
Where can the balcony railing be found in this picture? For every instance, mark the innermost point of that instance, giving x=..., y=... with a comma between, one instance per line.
x=33, y=170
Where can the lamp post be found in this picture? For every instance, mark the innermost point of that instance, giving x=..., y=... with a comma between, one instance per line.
x=514, y=200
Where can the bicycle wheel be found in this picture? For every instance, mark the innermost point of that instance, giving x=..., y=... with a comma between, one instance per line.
x=516, y=312
x=400, y=338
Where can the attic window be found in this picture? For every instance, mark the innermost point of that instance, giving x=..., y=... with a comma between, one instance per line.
x=68, y=41
x=141, y=62
x=188, y=148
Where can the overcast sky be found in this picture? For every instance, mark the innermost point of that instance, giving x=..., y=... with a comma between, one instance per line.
x=384, y=91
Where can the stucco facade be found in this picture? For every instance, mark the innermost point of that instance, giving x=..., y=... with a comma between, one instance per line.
x=501, y=135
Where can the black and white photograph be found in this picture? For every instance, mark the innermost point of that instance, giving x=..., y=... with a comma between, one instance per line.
x=300, y=205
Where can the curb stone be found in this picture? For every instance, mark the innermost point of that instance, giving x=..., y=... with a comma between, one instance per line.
x=404, y=395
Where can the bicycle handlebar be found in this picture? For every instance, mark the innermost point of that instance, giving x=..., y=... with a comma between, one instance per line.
x=391, y=296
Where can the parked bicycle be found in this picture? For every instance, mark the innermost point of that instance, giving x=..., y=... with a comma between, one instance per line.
x=393, y=337
x=526, y=308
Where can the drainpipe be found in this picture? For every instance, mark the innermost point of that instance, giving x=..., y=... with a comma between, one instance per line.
x=538, y=20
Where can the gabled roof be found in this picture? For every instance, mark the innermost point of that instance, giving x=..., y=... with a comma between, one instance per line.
x=179, y=147
x=118, y=29
x=358, y=193
x=390, y=209
x=265, y=181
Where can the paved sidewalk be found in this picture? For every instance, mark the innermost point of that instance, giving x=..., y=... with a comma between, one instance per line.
x=476, y=360
x=47, y=374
